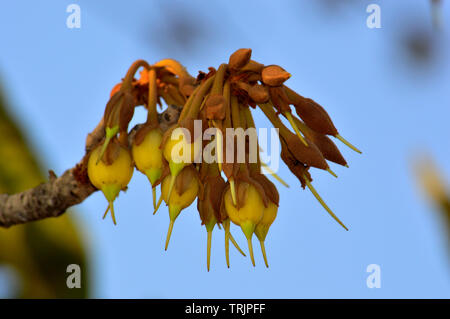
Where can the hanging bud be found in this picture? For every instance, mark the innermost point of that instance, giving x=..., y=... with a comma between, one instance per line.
x=309, y=155
x=274, y=75
x=248, y=212
x=147, y=154
x=239, y=59
x=262, y=228
x=311, y=113
x=208, y=206
x=297, y=168
x=111, y=174
x=325, y=145
x=184, y=192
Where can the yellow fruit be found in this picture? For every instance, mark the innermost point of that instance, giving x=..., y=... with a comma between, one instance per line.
x=110, y=179
x=148, y=157
x=250, y=212
x=262, y=228
x=182, y=196
x=179, y=153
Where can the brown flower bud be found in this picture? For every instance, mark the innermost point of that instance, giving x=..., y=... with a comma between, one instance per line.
x=326, y=147
x=312, y=113
x=274, y=75
x=239, y=59
x=209, y=205
x=297, y=168
x=279, y=99
x=308, y=155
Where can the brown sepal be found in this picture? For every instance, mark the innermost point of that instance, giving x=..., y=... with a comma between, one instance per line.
x=165, y=172
x=184, y=179
x=215, y=107
x=142, y=133
x=269, y=188
x=112, y=151
x=243, y=178
x=210, y=202
x=126, y=111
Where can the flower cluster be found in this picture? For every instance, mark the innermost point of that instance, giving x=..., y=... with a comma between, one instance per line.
x=227, y=190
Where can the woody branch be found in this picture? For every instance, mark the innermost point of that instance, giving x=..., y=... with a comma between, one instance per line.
x=53, y=198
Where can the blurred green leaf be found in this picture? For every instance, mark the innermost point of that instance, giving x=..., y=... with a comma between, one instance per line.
x=39, y=252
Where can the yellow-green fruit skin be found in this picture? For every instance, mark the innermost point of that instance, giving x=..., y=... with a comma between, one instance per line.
x=175, y=147
x=178, y=202
x=148, y=156
x=110, y=178
x=249, y=214
x=269, y=215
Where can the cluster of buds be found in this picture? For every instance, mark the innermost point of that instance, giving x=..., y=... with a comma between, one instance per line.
x=227, y=189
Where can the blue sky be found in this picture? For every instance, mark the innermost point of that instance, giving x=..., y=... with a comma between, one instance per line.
x=381, y=99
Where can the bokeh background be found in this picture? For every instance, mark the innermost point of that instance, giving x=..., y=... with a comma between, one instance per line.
x=386, y=89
